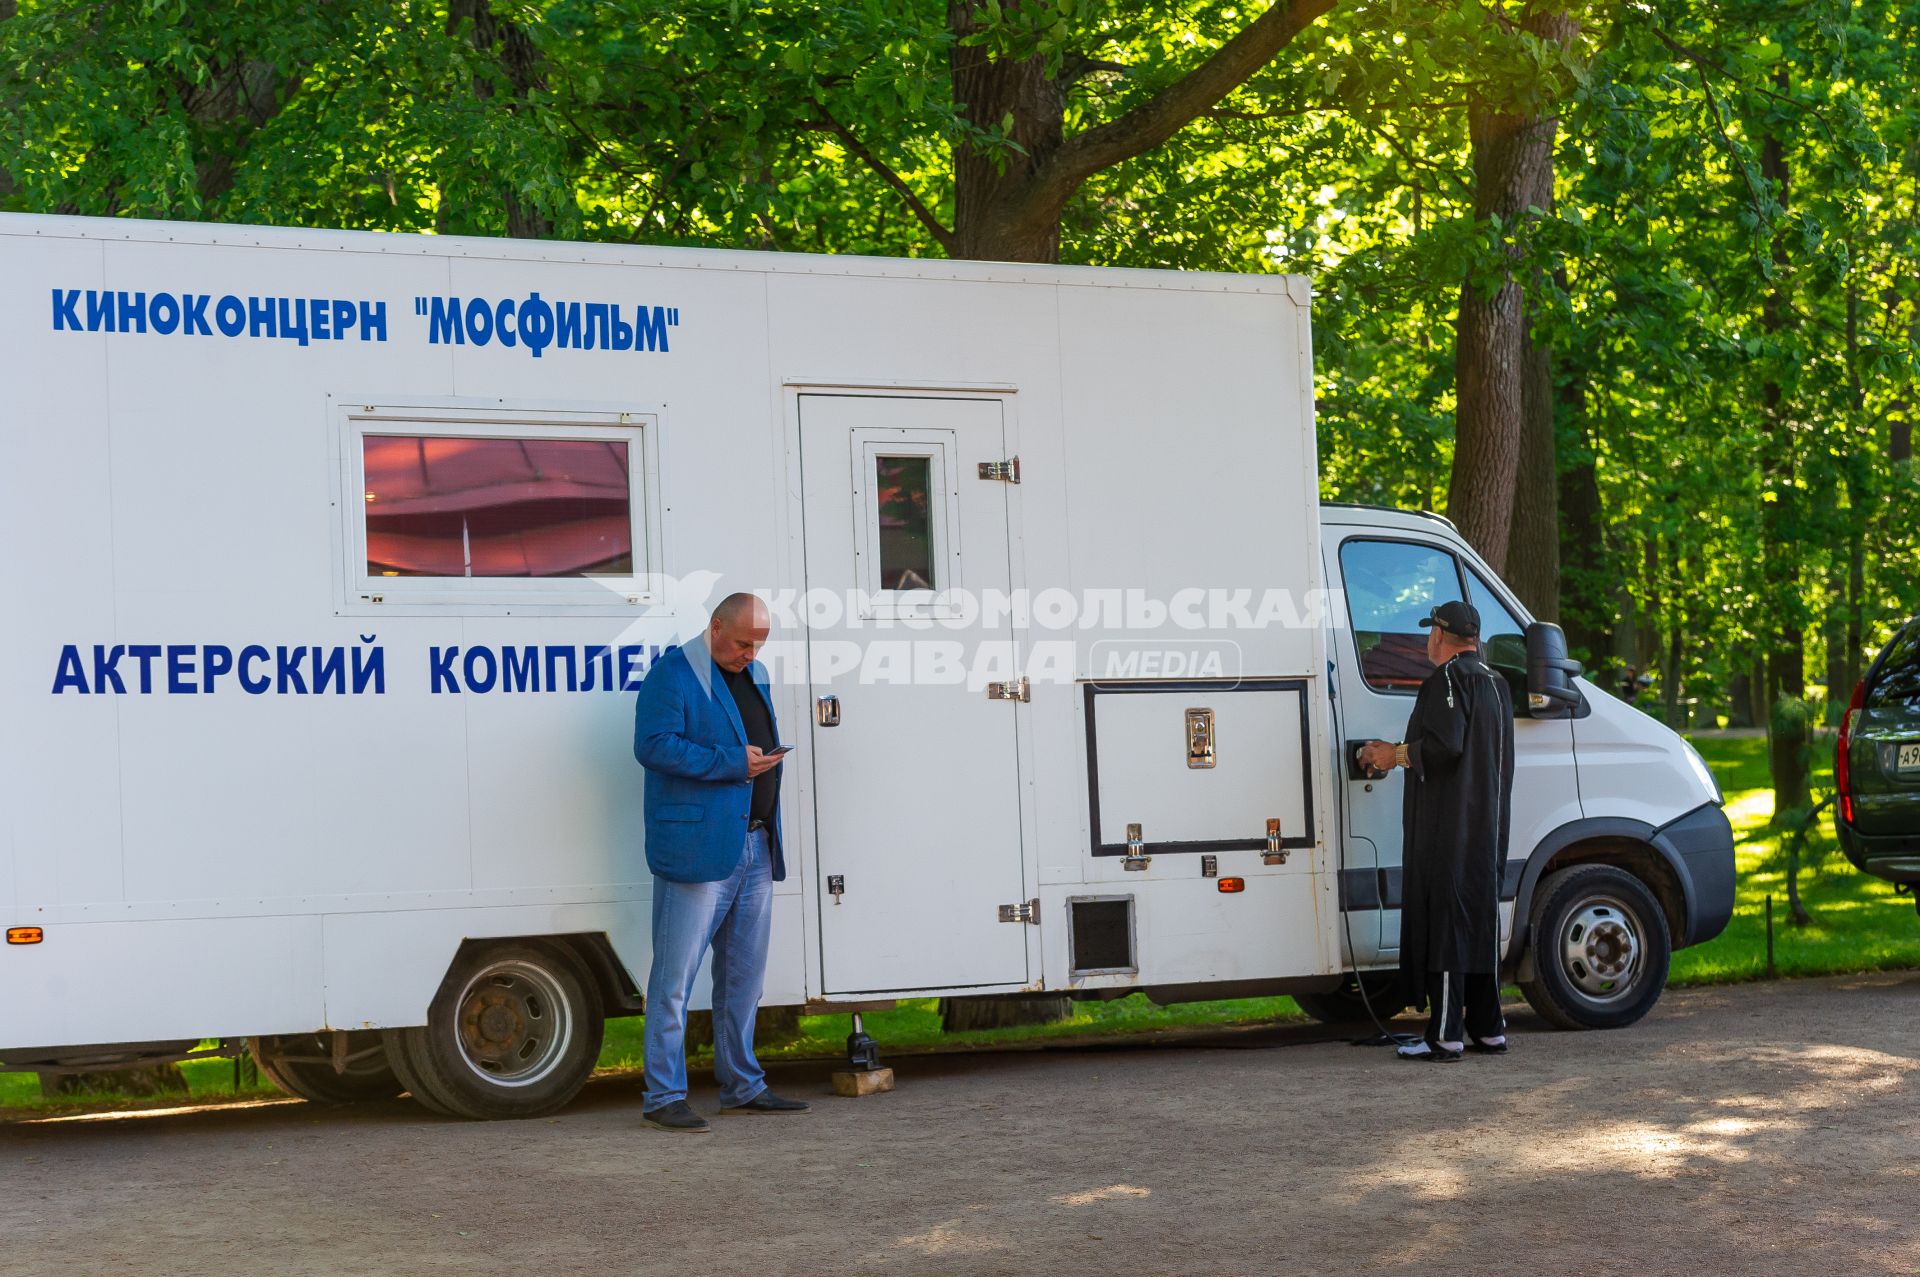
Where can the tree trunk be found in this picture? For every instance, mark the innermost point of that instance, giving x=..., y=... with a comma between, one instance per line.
x=776, y=1026
x=1586, y=579
x=233, y=104
x=957, y=1015
x=1833, y=637
x=772, y=1026
x=525, y=74
x=1740, y=700
x=142, y=1082
x=1513, y=181
x=1533, y=550
x=1009, y=195
x=1786, y=642
x=992, y=220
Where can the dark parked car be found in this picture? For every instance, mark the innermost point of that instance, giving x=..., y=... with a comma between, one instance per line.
x=1877, y=765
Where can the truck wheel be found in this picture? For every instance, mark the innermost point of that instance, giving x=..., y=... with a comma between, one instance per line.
x=1600, y=948
x=1345, y=1005
x=301, y=1064
x=513, y=1032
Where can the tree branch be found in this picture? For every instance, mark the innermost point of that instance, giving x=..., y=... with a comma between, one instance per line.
x=1171, y=109
x=827, y=124
x=1400, y=148
x=1719, y=122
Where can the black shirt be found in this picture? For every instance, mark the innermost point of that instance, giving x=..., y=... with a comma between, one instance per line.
x=758, y=720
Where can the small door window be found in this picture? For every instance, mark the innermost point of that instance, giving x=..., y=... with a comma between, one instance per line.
x=903, y=490
x=907, y=538
x=1391, y=586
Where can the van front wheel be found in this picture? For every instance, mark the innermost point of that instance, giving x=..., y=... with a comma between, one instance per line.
x=513, y=1032
x=1600, y=948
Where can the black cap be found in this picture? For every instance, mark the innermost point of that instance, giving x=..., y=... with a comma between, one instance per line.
x=1462, y=620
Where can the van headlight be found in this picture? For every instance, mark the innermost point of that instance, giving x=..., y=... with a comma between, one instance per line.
x=1704, y=772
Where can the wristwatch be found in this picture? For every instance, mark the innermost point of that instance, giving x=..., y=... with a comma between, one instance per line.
x=1400, y=755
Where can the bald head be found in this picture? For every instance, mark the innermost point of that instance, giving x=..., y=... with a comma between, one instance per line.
x=739, y=627
x=1443, y=647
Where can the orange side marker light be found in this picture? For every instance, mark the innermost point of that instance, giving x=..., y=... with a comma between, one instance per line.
x=25, y=935
x=1231, y=885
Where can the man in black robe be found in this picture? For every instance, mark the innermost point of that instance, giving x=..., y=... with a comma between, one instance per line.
x=1459, y=757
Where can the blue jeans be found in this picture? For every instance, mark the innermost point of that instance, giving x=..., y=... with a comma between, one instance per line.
x=735, y=917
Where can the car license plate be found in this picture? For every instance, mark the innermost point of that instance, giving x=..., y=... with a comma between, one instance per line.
x=1907, y=758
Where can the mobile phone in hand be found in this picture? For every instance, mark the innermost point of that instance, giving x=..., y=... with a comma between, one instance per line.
x=778, y=750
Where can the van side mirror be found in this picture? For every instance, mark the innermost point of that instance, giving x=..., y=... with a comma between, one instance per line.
x=1550, y=673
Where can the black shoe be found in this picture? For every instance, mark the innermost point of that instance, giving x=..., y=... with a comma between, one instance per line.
x=1486, y=1048
x=768, y=1102
x=1431, y=1055
x=677, y=1116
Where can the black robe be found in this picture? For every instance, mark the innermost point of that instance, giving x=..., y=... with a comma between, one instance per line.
x=1458, y=802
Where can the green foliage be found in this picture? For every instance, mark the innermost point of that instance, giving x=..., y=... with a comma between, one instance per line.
x=1734, y=348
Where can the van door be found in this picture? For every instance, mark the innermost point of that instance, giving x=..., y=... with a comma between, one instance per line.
x=1390, y=584
x=915, y=769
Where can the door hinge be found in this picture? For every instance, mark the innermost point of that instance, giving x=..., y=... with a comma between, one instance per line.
x=1018, y=690
x=1028, y=913
x=1007, y=471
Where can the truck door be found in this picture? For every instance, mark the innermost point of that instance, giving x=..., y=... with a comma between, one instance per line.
x=1390, y=584
x=915, y=769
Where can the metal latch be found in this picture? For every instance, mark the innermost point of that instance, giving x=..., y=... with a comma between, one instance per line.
x=1200, y=739
x=1007, y=471
x=1028, y=912
x=836, y=886
x=1275, y=854
x=1018, y=690
x=1136, y=857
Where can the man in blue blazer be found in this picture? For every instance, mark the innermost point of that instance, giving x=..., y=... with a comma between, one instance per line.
x=705, y=732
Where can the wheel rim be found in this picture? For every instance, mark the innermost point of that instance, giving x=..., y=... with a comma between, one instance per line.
x=1601, y=950
x=514, y=1025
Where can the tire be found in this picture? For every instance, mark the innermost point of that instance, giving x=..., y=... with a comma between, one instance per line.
x=513, y=1032
x=1600, y=948
x=1345, y=1005
x=301, y=1064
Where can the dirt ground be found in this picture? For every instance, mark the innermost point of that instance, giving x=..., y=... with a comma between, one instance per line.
x=1754, y=1129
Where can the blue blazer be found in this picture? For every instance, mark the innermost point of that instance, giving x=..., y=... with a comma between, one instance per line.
x=694, y=748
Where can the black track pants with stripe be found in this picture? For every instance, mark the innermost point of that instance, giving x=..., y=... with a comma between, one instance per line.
x=1469, y=1003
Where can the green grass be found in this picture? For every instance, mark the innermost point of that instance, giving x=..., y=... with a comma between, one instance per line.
x=1858, y=925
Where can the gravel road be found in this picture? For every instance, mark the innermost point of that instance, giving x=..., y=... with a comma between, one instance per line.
x=1746, y=1130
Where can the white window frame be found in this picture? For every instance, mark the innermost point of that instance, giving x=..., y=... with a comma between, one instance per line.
x=364, y=594
x=942, y=450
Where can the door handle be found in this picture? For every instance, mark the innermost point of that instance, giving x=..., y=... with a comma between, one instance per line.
x=826, y=711
x=1355, y=771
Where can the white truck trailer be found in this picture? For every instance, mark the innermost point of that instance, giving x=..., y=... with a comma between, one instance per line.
x=332, y=561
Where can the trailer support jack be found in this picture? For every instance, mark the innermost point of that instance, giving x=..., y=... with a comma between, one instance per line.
x=864, y=1074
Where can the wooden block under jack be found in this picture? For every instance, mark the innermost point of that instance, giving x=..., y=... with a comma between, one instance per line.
x=858, y=1082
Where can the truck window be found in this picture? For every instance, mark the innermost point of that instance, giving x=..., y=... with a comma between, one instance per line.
x=1390, y=587
x=497, y=506
x=1502, y=638
x=1898, y=682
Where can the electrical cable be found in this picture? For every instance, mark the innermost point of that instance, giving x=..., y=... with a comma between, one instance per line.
x=1383, y=1036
